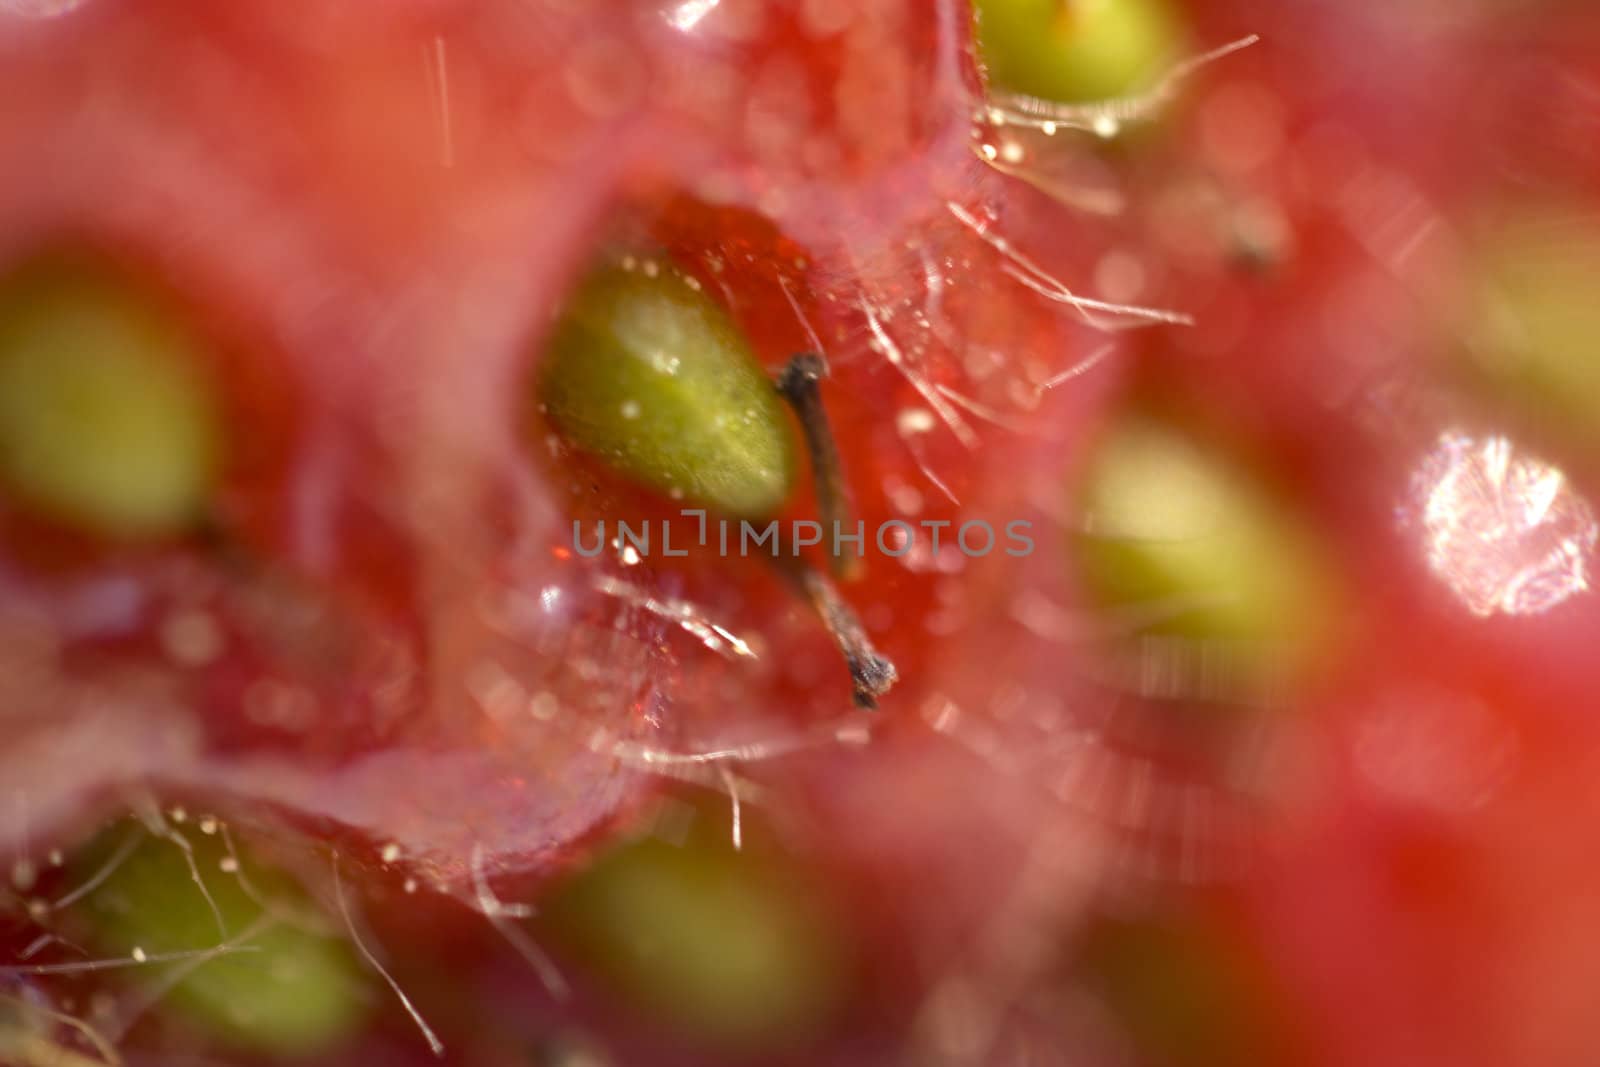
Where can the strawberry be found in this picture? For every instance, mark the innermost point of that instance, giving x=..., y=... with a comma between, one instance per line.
x=1236, y=713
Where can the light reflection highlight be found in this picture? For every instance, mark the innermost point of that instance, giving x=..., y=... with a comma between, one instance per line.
x=1505, y=532
x=687, y=15
x=40, y=9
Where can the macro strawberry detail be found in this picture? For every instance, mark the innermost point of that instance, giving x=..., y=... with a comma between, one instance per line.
x=1207, y=382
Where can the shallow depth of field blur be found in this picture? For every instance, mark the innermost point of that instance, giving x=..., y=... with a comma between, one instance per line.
x=329, y=330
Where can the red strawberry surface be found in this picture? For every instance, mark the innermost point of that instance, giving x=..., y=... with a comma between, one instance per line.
x=516, y=803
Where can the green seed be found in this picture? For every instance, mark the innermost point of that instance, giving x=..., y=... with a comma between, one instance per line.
x=1183, y=995
x=724, y=947
x=1538, y=316
x=1188, y=544
x=1077, y=51
x=106, y=422
x=287, y=992
x=647, y=373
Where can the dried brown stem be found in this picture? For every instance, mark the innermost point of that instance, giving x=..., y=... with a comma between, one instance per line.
x=798, y=384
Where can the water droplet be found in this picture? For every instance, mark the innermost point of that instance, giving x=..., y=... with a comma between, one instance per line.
x=913, y=421
x=23, y=874
x=543, y=706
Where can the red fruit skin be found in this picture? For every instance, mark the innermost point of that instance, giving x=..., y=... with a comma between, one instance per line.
x=355, y=209
x=1419, y=855
x=391, y=282
x=393, y=589
x=372, y=213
